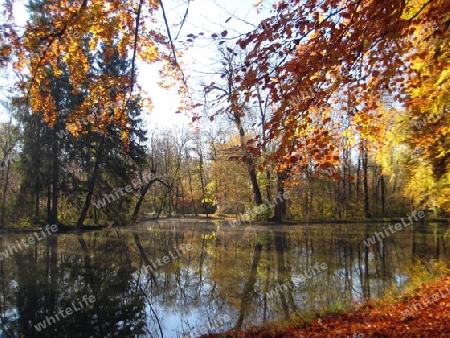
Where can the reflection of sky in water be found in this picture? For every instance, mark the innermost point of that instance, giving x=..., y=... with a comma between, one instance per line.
x=175, y=325
x=175, y=321
x=210, y=281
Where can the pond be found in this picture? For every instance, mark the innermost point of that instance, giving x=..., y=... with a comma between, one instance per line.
x=178, y=278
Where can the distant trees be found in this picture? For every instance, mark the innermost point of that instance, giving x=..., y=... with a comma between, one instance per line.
x=10, y=135
x=302, y=105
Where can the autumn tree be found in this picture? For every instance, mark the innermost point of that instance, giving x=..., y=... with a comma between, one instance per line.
x=107, y=165
x=346, y=55
x=235, y=109
x=324, y=67
x=232, y=185
x=68, y=30
x=44, y=154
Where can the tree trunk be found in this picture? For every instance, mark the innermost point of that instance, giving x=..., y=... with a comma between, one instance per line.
x=250, y=162
x=37, y=164
x=91, y=186
x=254, y=180
x=280, y=203
x=5, y=187
x=202, y=183
x=55, y=181
x=358, y=177
x=190, y=187
x=137, y=207
x=247, y=293
x=37, y=197
x=144, y=191
x=268, y=194
x=366, y=184
x=49, y=195
x=382, y=196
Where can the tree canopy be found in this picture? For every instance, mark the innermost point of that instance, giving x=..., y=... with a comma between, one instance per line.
x=349, y=57
x=313, y=91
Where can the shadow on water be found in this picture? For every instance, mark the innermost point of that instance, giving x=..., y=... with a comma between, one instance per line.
x=148, y=282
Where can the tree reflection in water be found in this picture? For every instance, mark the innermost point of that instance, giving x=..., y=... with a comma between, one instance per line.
x=228, y=271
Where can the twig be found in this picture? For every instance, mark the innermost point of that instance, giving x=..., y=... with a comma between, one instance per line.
x=184, y=19
x=171, y=43
x=151, y=307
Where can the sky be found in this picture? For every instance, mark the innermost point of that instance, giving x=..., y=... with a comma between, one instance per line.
x=206, y=16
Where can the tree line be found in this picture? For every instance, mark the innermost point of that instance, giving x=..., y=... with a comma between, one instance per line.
x=341, y=114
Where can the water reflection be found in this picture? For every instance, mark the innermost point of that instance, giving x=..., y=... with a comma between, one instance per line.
x=231, y=278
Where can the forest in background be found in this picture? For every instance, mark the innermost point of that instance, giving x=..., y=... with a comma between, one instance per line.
x=351, y=119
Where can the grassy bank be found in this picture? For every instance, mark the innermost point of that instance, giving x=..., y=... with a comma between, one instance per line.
x=421, y=309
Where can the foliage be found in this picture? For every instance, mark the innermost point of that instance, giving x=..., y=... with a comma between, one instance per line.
x=341, y=102
x=333, y=48
x=258, y=213
x=70, y=32
x=327, y=69
x=25, y=223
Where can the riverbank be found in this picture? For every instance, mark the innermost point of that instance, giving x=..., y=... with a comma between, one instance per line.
x=63, y=228
x=60, y=229
x=424, y=314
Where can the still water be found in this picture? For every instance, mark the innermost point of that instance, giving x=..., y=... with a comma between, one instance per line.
x=183, y=278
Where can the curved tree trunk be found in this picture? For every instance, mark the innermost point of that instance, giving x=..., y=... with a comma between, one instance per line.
x=250, y=162
x=144, y=257
x=247, y=293
x=254, y=180
x=144, y=191
x=91, y=186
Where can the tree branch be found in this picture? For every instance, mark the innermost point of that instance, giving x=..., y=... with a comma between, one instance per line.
x=171, y=43
x=136, y=38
